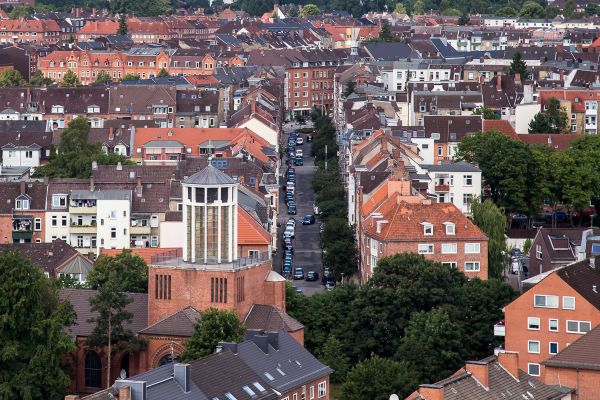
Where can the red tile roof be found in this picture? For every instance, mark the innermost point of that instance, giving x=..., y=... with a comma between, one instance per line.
x=250, y=231
x=146, y=253
x=556, y=141
x=501, y=126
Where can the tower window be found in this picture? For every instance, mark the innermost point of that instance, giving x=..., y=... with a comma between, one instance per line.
x=162, y=287
x=218, y=290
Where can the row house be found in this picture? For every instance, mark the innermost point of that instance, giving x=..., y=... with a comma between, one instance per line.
x=447, y=132
x=97, y=29
x=559, y=307
x=402, y=72
x=442, y=103
x=25, y=143
x=581, y=106
x=198, y=108
x=157, y=103
x=37, y=32
x=22, y=212
x=346, y=33
x=88, y=65
x=148, y=30
x=187, y=62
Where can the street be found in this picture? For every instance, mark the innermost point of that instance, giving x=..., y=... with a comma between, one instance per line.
x=307, y=250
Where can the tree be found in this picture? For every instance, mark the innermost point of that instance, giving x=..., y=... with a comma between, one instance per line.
x=569, y=9
x=418, y=8
x=385, y=35
x=432, y=345
x=400, y=8
x=506, y=11
x=103, y=76
x=526, y=245
x=592, y=9
x=34, y=339
x=552, y=12
x=130, y=267
x=349, y=89
x=464, y=19
x=487, y=113
x=518, y=66
x=553, y=120
x=163, y=73
x=110, y=304
x=377, y=378
x=214, y=326
x=69, y=79
x=10, y=77
x=123, y=28
x=491, y=220
x=532, y=9
x=335, y=357
x=38, y=79
x=131, y=77
x=73, y=156
x=310, y=9
x=21, y=10
x=453, y=12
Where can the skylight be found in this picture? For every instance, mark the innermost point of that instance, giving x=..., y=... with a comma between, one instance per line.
x=230, y=396
x=269, y=376
x=249, y=391
x=260, y=387
x=280, y=371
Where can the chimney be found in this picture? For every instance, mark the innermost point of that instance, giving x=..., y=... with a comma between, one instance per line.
x=231, y=346
x=136, y=389
x=119, y=166
x=481, y=79
x=138, y=186
x=481, y=60
x=273, y=339
x=241, y=179
x=510, y=361
x=518, y=78
x=94, y=165
x=183, y=376
x=431, y=392
x=562, y=75
x=92, y=186
x=22, y=187
x=124, y=393
x=479, y=370
x=499, y=83
x=260, y=340
x=111, y=134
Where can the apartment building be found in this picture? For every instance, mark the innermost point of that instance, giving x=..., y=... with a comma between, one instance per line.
x=447, y=131
x=560, y=307
x=581, y=106
x=37, y=32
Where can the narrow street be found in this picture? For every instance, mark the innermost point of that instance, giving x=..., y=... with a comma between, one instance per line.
x=307, y=250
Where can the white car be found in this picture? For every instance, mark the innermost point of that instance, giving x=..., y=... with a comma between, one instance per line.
x=291, y=222
x=289, y=233
x=299, y=153
x=299, y=141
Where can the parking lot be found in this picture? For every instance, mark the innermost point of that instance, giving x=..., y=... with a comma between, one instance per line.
x=306, y=243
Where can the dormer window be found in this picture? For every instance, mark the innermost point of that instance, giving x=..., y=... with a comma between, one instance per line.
x=450, y=228
x=427, y=229
x=58, y=109
x=93, y=109
x=22, y=203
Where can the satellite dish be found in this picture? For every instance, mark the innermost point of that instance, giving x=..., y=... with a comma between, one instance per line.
x=123, y=375
x=394, y=396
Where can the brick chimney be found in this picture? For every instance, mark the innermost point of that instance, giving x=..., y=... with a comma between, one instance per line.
x=125, y=393
x=431, y=392
x=562, y=75
x=22, y=188
x=518, y=78
x=111, y=134
x=138, y=186
x=510, y=361
x=499, y=83
x=92, y=186
x=479, y=371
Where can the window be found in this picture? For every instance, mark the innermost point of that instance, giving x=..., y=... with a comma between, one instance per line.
x=553, y=325
x=533, y=369
x=468, y=180
x=578, y=326
x=568, y=302
x=450, y=228
x=544, y=301
x=93, y=370
x=538, y=251
x=425, y=249
x=37, y=226
x=22, y=204
x=218, y=290
x=427, y=229
x=450, y=264
x=295, y=396
x=113, y=233
x=533, y=323
x=248, y=391
x=467, y=198
x=553, y=348
x=162, y=286
x=29, y=154
x=533, y=346
x=472, y=266
x=64, y=220
x=322, y=391
x=54, y=220
x=472, y=248
x=59, y=201
x=253, y=253
x=449, y=248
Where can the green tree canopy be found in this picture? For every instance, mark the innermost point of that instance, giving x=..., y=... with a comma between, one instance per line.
x=32, y=328
x=10, y=77
x=131, y=77
x=130, y=267
x=400, y=8
x=506, y=11
x=553, y=120
x=464, y=19
x=70, y=79
x=335, y=357
x=21, y=10
x=531, y=9
x=123, y=28
x=487, y=113
x=103, y=76
x=74, y=154
x=38, y=79
x=377, y=378
x=310, y=9
x=569, y=9
x=385, y=35
x=418, y=7
x=349, y=89
x=214, y=326
x=163, y=73
x=492, y=221
x=518, y=66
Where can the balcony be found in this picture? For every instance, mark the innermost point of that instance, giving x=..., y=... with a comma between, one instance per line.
x=499, y=329
x=82, y=209
x=442, y=188
x=140, y=230
x=22, y=227
x=83, y=228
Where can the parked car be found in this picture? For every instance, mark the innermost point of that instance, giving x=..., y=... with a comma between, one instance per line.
x=292, y=222
x=299, y=141
x=308, y=138
x=292, y=210
x=312, y=276
x=287, y=266
x=298, y=161
x=298, y=273
x=299, y=153
x=308, y=220
x=330, y=285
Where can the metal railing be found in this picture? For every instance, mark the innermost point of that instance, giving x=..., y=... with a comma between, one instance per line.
x=174, y=257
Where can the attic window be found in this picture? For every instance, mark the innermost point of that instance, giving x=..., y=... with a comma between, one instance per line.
x=260, y=387
x=427, y=229
x=269, y=376
x=450, y=228
x=249, y=391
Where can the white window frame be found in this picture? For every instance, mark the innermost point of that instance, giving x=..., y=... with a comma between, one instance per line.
x=425, y=248
x=37, y=224
x=153, y=241
x=550, y=325
x=450, y=228
x=538, y=251
x=56, y=198
x=322, y=389
x=579, y=331
x=450, y=264
x=312, y=392
x=529, y=365
x=533, y=342
x=466, y=179
x=472, y=248
x=476, y=266
x=427, y=229
x=531, y=321
x=453, y=248
x=545, y=296
x=550, y=348
x=568, y=298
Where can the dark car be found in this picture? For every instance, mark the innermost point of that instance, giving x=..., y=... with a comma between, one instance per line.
x=330, y=285
x=312, y=276
x=308, y=138
x=298, y=273
x=326, y=276
x=289, y=196
x=292, y=210
x=298, y=161
x=308, y=220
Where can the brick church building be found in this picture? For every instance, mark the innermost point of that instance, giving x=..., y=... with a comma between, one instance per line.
x=206, y=273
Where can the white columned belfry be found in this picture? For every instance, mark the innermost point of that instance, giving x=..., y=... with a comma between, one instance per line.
x=210, y=217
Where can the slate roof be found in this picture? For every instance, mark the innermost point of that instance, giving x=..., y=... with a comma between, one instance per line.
x=180, y=323
x=461, y=166
x=209, y=176
x=79, y=299
x=266, y=317
x=584, y=353
x=47, y=256
x=583, y=278
x=388, y=51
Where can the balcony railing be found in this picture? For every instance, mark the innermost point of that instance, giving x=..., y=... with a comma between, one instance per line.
x=442, y=188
